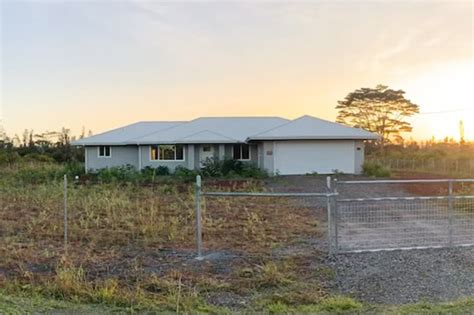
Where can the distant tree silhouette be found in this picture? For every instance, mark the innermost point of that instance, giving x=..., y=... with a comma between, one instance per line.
x=380, y=110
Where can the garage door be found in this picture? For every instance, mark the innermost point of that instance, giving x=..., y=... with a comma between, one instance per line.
x=323, y=157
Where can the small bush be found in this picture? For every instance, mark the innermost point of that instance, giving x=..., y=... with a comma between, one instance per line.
x=126, y=173
x=212, y=167
x=185, y=174
x=375, y=170
x=251, y=170
x=231, y=168
x=74, y=169
x=149, y=173
x=162, y=170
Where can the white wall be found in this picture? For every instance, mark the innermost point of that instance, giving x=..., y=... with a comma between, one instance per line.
x=322, y=156
x=120, y=156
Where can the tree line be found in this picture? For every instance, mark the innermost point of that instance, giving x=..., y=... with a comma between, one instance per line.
x=46, y=146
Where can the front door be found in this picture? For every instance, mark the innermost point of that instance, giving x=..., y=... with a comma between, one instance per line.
x=206, y=151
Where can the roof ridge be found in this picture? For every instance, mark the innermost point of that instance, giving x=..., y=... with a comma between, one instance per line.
x=335, y=123
x=158, y=131
x=276, y=127
x=206, y=130
x=220, y=117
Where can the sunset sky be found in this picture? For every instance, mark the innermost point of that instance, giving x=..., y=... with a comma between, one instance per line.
x=103, y=64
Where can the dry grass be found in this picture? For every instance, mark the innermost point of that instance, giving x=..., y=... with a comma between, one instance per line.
x=133, y=245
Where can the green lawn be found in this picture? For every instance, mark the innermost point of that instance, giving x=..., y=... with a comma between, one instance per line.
x=338, y=305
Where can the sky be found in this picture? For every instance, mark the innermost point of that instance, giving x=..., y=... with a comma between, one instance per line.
x=104, y=64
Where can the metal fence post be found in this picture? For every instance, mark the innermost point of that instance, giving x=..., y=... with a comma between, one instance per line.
x=336, y=215
x=198, y=218
x=329, y=214
x=450, y=211
x=65, y=211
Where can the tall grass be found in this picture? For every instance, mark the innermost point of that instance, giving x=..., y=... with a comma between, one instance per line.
x=133, y=244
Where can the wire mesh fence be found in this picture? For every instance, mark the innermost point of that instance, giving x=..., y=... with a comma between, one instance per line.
x=248, y=220
x=464, y=167
x=402, y=222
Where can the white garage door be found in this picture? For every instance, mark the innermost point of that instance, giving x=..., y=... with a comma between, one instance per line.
x=323, y=157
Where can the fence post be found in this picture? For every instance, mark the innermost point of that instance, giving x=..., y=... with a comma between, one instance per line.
x=198, y=218
x=450, y=212
x=329, y=214
x=336, y=215
x=65, y=212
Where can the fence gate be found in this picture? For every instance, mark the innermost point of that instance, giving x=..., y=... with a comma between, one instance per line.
x=401, y=222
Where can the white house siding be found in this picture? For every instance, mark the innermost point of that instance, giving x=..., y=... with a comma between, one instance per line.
x=267, y=157
x=120, y=156
x=323, y=157
x=359, y=156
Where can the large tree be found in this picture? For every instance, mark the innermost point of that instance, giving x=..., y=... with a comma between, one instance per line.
x=380, y=110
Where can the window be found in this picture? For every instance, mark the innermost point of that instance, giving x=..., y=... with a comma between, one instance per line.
x=104, y=151
x=206, y=148
x=241, y=152
x=167, y=152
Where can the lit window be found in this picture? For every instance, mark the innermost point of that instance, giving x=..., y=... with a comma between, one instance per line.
x=167, y=153
x=241, y=152
x=104, y=151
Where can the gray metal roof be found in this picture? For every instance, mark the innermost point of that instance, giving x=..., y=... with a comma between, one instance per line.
x=312, y=128
x=214, y=129
x=225, y=130
x=124, y=135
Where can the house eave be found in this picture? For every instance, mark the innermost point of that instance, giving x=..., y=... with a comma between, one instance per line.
x=312, y=138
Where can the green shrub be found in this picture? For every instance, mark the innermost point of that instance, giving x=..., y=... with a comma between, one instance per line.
x=185, y=174
x=375, y=170
x=126, y=173
x=211, y=167
x=162, y=170
x=74, y=169
x=149, y=173
x=231, y=168
x=253, y=171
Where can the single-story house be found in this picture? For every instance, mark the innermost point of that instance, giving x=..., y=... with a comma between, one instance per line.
x=278, y=145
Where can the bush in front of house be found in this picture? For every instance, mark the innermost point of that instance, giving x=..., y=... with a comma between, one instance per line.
x=150, y=172
x=231, y=168
x=211, y=167
x=185, y=174
x=374, y=169
x=126, y=173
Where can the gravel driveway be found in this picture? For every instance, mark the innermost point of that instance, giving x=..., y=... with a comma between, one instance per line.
x=391, y=277
x=398, y=277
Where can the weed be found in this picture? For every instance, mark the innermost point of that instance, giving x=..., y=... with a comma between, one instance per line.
x=272, y=275
x=375, y=170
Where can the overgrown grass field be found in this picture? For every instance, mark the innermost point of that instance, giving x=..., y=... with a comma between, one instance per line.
x=131, y=247
x=132, y=244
